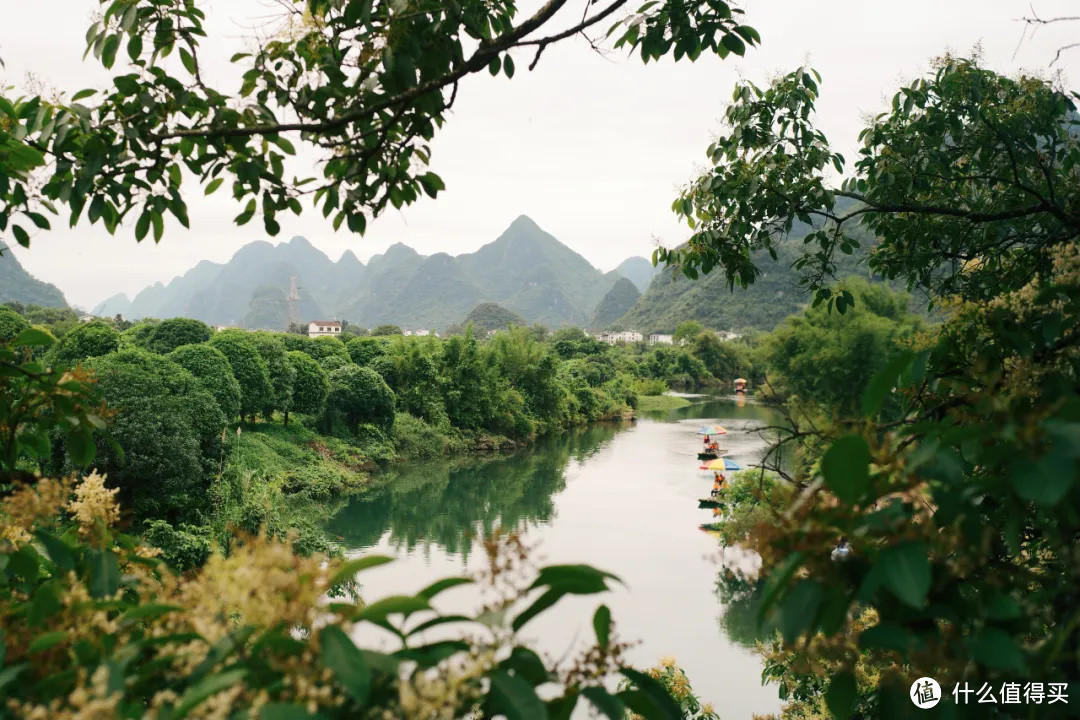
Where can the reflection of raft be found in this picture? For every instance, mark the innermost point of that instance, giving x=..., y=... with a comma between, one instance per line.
x=708, y=503
x=707, y=455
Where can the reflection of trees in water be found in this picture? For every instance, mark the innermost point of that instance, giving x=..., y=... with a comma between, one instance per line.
x=438, y=503
x=740, y=600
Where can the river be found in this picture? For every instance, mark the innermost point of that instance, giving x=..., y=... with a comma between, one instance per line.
x=622, y=498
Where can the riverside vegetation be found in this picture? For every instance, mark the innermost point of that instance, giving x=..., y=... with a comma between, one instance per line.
x=946, y=455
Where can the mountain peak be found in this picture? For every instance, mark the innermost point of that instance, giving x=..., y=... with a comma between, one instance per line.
x=300, y=241
x=524, y=222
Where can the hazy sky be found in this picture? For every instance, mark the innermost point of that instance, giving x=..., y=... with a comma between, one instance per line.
x=593, y=148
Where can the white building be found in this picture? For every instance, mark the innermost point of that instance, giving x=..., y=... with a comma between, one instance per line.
x=322, y=328
x=626, y=336
x=661, y=339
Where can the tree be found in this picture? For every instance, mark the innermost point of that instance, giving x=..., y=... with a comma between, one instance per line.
x=249, y=369
x=363, y=350
x=384, y=330
x=310, y=385
x=170, y=334
x=121, y=152
x=326, y=347
x=169, y=428
x=687, y=331
x=828, y=358
x=11, y=324
x=88, y=340
x=213, y=371
x=273, y=352
x=952, y=471
x=725, y=361
x=359, y=395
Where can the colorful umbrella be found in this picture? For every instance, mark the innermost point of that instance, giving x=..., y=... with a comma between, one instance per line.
x=711, y=430
x=723, y=464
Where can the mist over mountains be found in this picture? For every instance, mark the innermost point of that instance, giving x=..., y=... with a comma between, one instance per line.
x=525, y=270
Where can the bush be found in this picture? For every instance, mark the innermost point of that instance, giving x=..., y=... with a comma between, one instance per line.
x=213, y=371
x=248, y=368
x=11, y=324
x=170, y=334
x=363, y=350
x=183, y=547
x=92, y=339
x=359, y=395
x=650, y=386
x=310, y=385
x=169, y=429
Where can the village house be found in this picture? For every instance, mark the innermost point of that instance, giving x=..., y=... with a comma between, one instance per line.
x=323, y=328
x=661, y=339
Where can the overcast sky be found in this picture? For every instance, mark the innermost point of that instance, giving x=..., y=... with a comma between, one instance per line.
x=592, y=148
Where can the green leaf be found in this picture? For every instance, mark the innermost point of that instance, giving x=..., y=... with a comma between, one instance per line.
x=431, y=183
x=211, y=685
x=142, y=226
x=21, y=236
x=380, y=609
x=514, y=698
x=541, y=604
x=883, y=382
x=47, y=640
x=602, y=625
x=846, y=467
x=508, y=66
x=350, y=568
x=605, y=702
x=104, y=575
x=108, y=50
x=33, y=337
x=494, y=66
x=213, y=185
x=650, y=698
x=799, y=609
x=158, y=221
x=997, y=649
x=905, y=570
x=777, y=581
x=526, y=664
x=58, y=550
x=340, y=655
x=82, y=94
x=440, y=585
x=188, y=60
x=840, y=697
x=574, y=579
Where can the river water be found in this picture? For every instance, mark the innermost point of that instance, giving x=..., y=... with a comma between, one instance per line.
x=622, y=498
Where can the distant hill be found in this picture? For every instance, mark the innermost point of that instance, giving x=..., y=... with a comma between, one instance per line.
x=489, y=316
x=525, y=270
x=17, y=285
x=673, y=298
x=618, y=301
x=639, y=271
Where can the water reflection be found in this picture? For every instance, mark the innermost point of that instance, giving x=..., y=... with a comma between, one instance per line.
x=451, y=504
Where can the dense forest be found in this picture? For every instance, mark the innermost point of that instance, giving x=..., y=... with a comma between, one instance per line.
x=162, y=484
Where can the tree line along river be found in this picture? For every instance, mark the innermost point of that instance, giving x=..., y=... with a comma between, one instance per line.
x=622, y=498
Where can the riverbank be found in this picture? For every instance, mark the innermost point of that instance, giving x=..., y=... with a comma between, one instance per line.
x=660, y=403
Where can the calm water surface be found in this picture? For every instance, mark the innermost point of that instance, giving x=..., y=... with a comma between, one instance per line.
x=623, y=499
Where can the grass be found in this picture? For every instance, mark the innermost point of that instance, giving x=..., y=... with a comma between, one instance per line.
x=653, y=403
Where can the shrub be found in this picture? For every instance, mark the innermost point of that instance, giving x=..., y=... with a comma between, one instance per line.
x=92, y=339
x=359, y=395
x=11, y=324
x=213, y=371
x=363, y=350
x=170, y=334
x=168, y=429
x=248, y=368
x=183, y=547
x=310, y=385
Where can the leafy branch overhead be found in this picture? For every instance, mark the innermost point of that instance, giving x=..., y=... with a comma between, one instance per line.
x=965, y=182
x=365, y=84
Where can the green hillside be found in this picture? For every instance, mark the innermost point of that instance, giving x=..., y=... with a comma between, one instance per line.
x=673, y=298
x=618, y=301
x=17, y=285
x=489, y=316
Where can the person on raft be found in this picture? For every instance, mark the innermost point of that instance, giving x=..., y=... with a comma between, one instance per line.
x=718, y=483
